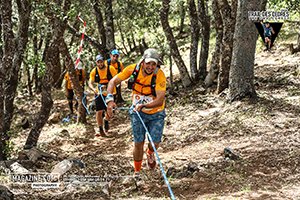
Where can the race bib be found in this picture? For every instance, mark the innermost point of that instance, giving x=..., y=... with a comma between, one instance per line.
x=141, y=99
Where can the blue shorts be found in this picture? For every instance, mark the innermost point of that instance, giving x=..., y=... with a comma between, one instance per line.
x=154, y=123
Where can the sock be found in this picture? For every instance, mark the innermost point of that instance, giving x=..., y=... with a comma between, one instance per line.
x=137, y=165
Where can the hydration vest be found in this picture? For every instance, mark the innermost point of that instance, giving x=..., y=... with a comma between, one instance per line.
x=133, y=80
x=119, y=65
x=98, y=78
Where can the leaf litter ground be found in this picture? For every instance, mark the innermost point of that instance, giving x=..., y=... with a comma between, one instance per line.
x=198, y=128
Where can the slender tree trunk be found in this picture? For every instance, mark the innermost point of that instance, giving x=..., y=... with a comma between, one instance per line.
x=28, y=76
x=133, y=41
x=129, y=44
x=50, y=60
x=228, y=14
x=47, y=101
x=215, y=63
x=205, y=31
x=2, y=79
x=24, y=10
x=57, y=66
x=164, y=14
x=36, y=47
x=35, y=55
x=100, y=22
x=195, y=34
x=122, y=36
x=242, y=69
x=182, y=18
x=142, y=45
x=171, y=75
x=109, y=17
x=7, y=52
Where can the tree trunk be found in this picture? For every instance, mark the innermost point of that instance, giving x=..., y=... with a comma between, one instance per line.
x=50, y=60
x=195, y=34
x=171, y=76
x=182, y=18
x=45, y=109
x=100, y=22
x=133, y=41
x=215, y=63
x=29, y=81
x=129, y=44
x=242, y=69
x=164, y=14
x=228, y=14
x=7, y=53
x=36, y=47
x=122, y=37
x=56, y=66
x=14, y=48
x=205, y=31
x=142, y=45
x=24, y=10
x=109, y=17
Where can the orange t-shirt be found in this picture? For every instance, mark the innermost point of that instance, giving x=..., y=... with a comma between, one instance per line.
x=103, y=78
x=81, y=79
x=138, y=94
x=115, y=65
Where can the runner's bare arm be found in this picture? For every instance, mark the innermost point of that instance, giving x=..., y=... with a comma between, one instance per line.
x=91, y=82
x=112, y=83
x=110, y=88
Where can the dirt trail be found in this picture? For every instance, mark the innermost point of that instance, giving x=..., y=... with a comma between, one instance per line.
x=198, y=128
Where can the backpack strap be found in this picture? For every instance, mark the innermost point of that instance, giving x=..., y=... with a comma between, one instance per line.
x=153, y=82
x=119, y=64
x=108, y=74
x=97, y=77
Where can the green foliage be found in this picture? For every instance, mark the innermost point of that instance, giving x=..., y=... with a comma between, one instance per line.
x=291, y=5
x=9, y=145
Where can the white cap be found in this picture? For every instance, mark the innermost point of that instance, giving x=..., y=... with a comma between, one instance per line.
x=147, y=60
x=152, y=55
